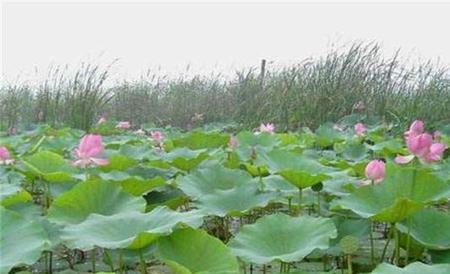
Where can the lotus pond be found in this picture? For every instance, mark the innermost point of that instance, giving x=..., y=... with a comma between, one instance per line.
x=344, y=199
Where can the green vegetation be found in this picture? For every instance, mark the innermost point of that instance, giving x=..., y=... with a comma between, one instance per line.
x=343, y=199
x=315, y=91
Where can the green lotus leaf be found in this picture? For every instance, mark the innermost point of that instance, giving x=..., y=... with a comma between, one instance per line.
x=114, y=175
x=442, y=170
x=137, y=153
x=282, y=237
x=21, y=241
x=358, y=228
x=217, y=178
x=413, y=268
x=168, y=196
x=355, y=152
x=10, y=177
x=340, y=183
x=326, y=135
x=397, y=197
x=221, y=191
x=12, y=194
x=199, y=139
x=137, y=187
x=387, y=147
x=195, y=252
x=250, y=139
x=51, y=166
x=299, y=170
x=251, y=145
x=278, y=183
x=114, y=232
x=440, y=256
x=119, y=162
x=100, y=197
x=426, y=228
x=184, y=158
x=235, y=201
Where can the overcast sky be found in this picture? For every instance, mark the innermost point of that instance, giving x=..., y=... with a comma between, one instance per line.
x=210, y=36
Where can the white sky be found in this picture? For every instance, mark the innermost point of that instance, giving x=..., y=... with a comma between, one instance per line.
x=209, y=36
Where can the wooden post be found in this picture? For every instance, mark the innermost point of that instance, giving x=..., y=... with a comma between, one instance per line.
x=262, y=73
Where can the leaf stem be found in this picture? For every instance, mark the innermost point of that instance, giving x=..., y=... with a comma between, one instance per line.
x=397, y=245
x=94, y=259
x=349, y=264
x=386, y=245
x=108, y=259
x=142, y=262
x=300, y=200
x=372, y=249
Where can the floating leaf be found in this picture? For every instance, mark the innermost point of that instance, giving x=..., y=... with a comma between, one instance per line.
x=112, y=232
x=100, y=197
x=184, y=158
x=199, y=139
x=282, y=237
x=12, y=194
x=300, y=171
x=51, y=166
x=194, y=251
x=397, y=197
x=426, y=228
x=21, y=241
x=413, y=268
x=221, y=191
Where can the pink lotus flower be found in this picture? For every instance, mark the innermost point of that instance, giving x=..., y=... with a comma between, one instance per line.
x=233, y=142
x=89, y=149
x=123, y=125
x=157, y=136
x=421, y=145
x=4, y=153
x=416, y=128
x=360, y=129
x=5, y=157
x=375, y=171
x=269, y=128
x=435, y=153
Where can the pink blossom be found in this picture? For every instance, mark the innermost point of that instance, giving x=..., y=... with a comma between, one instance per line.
x=403, y=159
x=89, y=149
x=435, y=153
x=269, y=128
x=416, y=128
x=123, y=125
x=422, y=145
x=419, y=145
x=375, y=171
x=157, y=136
x=4, y=154
x=360, y=129
x=233, y=142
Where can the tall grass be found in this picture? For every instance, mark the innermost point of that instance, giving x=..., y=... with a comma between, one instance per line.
x=63, y=98
x=309, y=93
